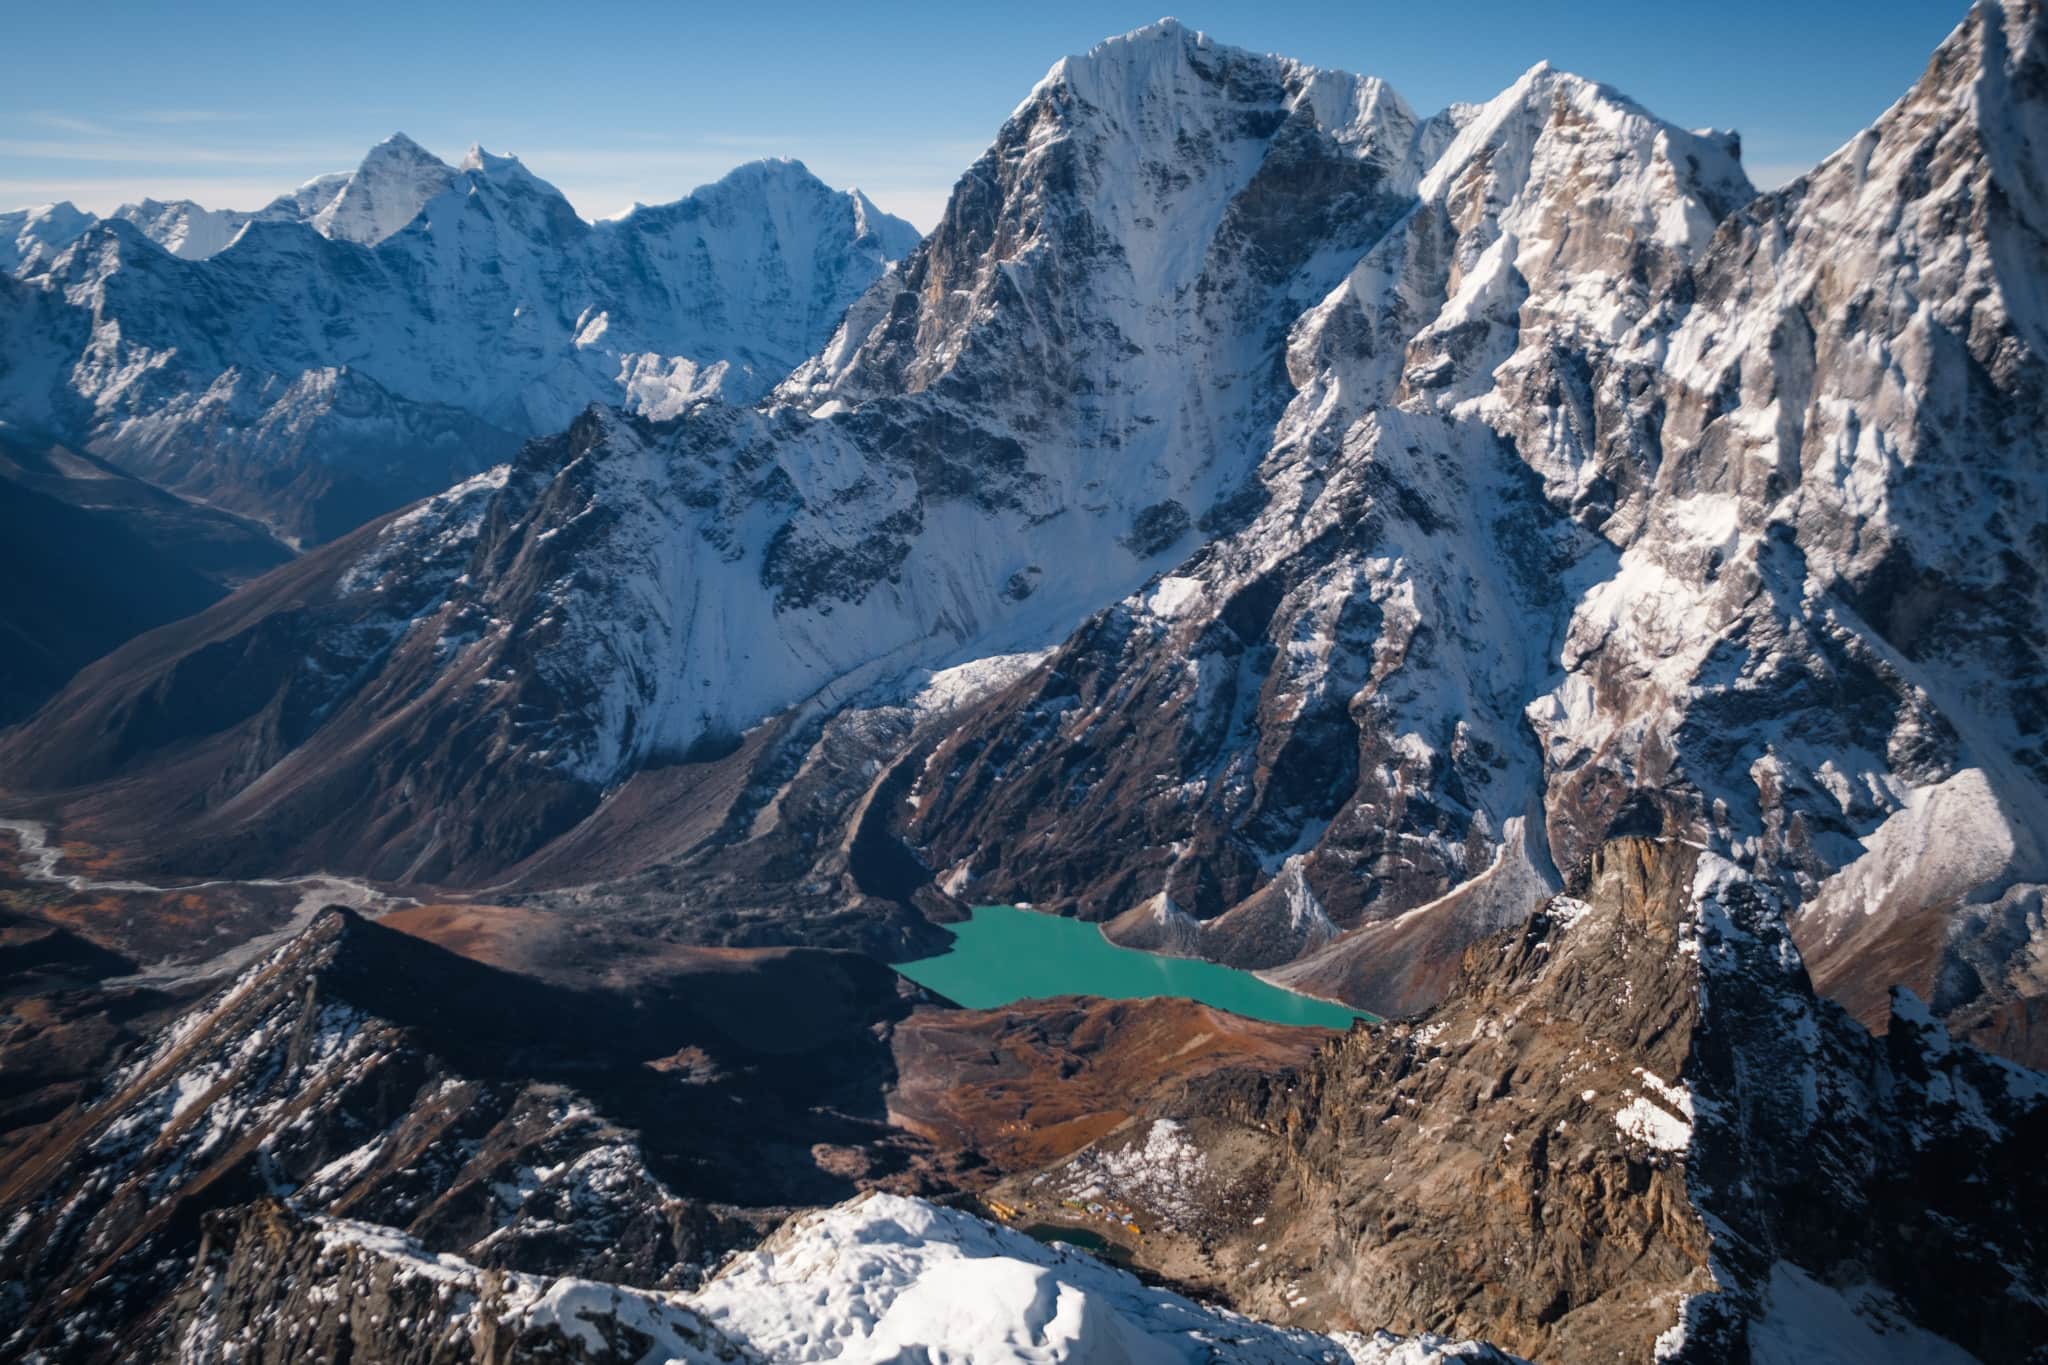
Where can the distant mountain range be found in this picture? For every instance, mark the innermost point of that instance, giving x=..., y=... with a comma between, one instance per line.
x=377, y=335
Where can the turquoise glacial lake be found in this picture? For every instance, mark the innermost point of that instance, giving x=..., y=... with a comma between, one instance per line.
x=1002, y=955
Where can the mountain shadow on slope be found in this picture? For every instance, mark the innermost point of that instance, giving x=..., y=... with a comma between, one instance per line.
x=633, y=1130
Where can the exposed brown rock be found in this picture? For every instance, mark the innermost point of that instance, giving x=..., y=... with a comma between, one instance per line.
x=1029, y=1084
x=1600, y=1131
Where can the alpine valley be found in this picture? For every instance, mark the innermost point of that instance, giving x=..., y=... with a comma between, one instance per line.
x=496, y=693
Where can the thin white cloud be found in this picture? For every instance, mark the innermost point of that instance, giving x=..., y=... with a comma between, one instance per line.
x=183, y=116
x=65, y=123
x=769, y=140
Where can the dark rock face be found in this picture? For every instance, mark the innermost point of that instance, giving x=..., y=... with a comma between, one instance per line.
x=101, y=558
x=1897, y=1161
x=630, y=1135
x=1156, y=528
x=81, y=604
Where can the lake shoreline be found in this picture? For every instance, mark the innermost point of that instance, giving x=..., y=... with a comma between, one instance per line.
x=1005, y=954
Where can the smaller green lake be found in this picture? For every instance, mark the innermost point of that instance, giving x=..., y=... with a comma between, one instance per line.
x=1002, y=955
x=1059, y=1234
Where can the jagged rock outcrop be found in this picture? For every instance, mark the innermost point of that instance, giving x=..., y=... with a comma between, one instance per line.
x=632, y=1133
x=274, y=1287
x=1631, y=1129
x=877, y=1280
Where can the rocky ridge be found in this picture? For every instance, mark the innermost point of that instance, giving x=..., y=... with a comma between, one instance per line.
x=1631, y=1130
x=631, y=1132
x=878, y=1279
x=367, y=1146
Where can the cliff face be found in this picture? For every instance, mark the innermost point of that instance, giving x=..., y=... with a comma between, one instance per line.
x=1608, y=499
x=1630, y=1129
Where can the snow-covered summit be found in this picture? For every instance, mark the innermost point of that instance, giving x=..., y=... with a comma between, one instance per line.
x=387, y=191
x=184, y=228
x=1068, y=387
x=886, y=1278
x=31, y=236
x=1150, y=51
x=505, y=171
x=898, y=237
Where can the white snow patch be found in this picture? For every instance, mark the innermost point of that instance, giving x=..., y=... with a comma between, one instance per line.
x=1173, y=596
x=951, y=688
x=885, y=1278
x=1946, y=840
x=1656, y=1125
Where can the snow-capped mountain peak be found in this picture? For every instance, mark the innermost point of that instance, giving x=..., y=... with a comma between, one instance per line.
x=35, y=235
x=897, y=237
x=184, y=228
x=504, y=170
x=385, y=193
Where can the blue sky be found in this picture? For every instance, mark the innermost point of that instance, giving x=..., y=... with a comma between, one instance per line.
x=232, y=103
